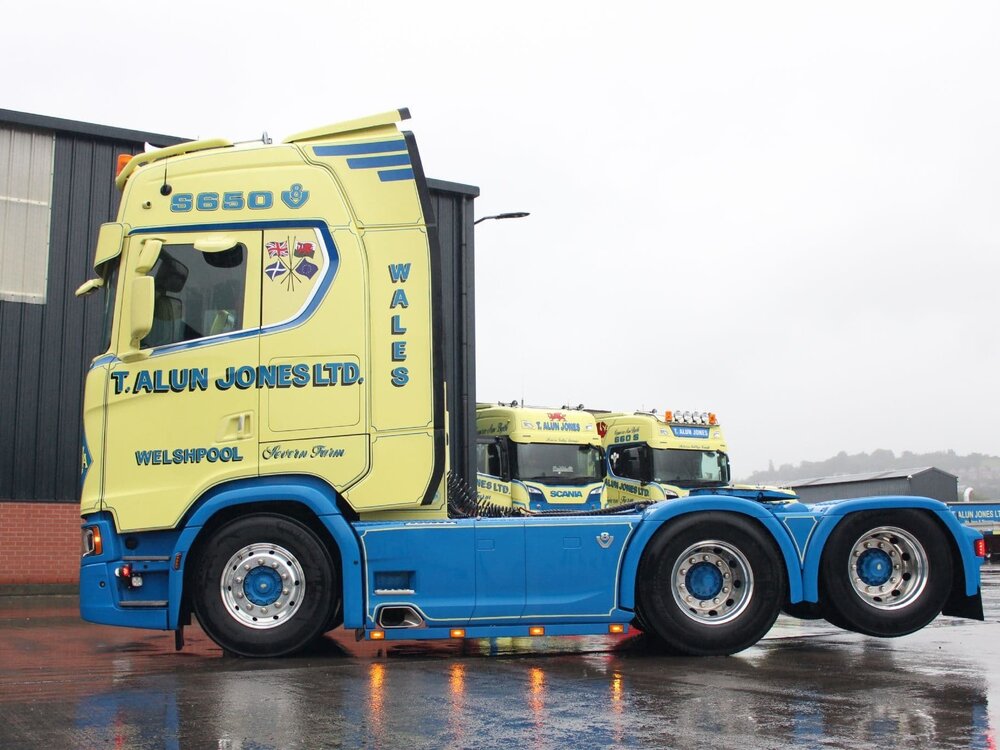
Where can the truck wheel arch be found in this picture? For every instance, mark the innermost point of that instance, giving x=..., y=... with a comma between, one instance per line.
x=965, y=566
x=666, y=512
x=303, y=498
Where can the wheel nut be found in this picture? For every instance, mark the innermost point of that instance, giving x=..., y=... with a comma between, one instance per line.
x=246, y=566
x=274, y=565
x=683, y=571
x=705, y=558
x=277, y=605
x=715, y=601
x=693, y=560
x=239, y=594
x=260, y=560
x=249, y=607
x=704, y=604
x=687, y=599
x=725, y=591
x=263, y=610
x=239, y=579
x=284, y=576
x=285, y=592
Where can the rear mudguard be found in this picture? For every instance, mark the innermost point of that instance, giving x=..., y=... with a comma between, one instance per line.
x=829, y=514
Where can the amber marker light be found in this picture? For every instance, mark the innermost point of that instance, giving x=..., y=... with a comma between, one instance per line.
x=123, y=159
x=980, y=547
x=377, y=635
x=668, y=416
x=712, y=419
x=536, y=630
x=616, y=628
x=458, y=633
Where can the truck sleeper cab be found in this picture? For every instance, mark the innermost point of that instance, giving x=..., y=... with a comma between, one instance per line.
x=538, y=458
x=264, y=443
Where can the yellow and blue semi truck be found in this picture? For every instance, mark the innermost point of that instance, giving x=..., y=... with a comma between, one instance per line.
x=654, y=457
x=538, y=459
x=265, y=443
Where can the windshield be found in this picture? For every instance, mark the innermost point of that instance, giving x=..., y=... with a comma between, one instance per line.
x=687, y=468
x=109, y=273
x=558, y=464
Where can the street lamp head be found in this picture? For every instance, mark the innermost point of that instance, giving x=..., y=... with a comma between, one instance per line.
x=509, y=215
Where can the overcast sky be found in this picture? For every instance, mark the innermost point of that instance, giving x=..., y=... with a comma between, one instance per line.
x=783, y=212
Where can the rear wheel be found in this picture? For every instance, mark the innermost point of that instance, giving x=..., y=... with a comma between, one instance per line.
x=885, y=572
x=265, y=585
x=711, y=583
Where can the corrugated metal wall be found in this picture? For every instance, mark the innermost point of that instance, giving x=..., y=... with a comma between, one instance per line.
x=45, y=348
x=935, y=484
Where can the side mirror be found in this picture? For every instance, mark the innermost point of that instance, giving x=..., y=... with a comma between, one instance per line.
x=89, y=286
x=148, y=255
x=140, y=315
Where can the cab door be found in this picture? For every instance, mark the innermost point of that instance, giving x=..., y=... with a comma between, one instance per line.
x=182, y=403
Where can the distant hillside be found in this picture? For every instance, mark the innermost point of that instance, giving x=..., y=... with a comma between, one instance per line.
x=976, y=470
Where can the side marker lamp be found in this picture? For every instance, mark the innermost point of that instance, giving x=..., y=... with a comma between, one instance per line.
x=458, y=632
x=90, y=541
x=536, y=630
x=377, y=635
x=616, y=628
x=123, y=160
x=980, y=547
x=712, y=419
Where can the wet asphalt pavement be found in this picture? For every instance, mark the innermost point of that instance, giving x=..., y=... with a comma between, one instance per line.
x=69, y=684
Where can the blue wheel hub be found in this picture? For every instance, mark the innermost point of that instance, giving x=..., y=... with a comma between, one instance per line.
x=704, y=580
x=874, y=567
x=262, y=586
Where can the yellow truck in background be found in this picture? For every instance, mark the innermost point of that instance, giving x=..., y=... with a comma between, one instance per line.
x=538, y=459
x=655, y=457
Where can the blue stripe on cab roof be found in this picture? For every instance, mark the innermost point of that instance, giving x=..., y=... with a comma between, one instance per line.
x=368, y=162
x=351, y=149
x=391, y=175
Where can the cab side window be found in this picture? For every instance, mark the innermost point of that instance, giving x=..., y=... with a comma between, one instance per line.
x=488, y=458
x=625, y=462
x=196, y=294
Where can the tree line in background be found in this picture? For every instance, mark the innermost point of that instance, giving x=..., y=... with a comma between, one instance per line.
x=979, y=471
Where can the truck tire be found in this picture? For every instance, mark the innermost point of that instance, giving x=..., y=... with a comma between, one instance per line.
x=885, y=572
x=711, y=583
x=265, y=585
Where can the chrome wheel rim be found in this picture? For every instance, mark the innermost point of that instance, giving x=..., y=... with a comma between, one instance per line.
x=888, y=568
x=262, y=585
x=712, y=582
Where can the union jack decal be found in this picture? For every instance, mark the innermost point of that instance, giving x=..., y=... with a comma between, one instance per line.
x=299, y=267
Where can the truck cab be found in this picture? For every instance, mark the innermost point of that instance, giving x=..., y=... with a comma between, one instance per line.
x=654, y=457
x=538, y=458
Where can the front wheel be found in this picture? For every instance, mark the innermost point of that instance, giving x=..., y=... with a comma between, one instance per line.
x=885, y=572
x=711, y=584
x=264, y=585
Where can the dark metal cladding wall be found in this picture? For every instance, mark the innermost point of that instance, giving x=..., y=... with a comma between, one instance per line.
x=453, y=210
x=936, y=484
x=873, y=488
x=45, y=349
